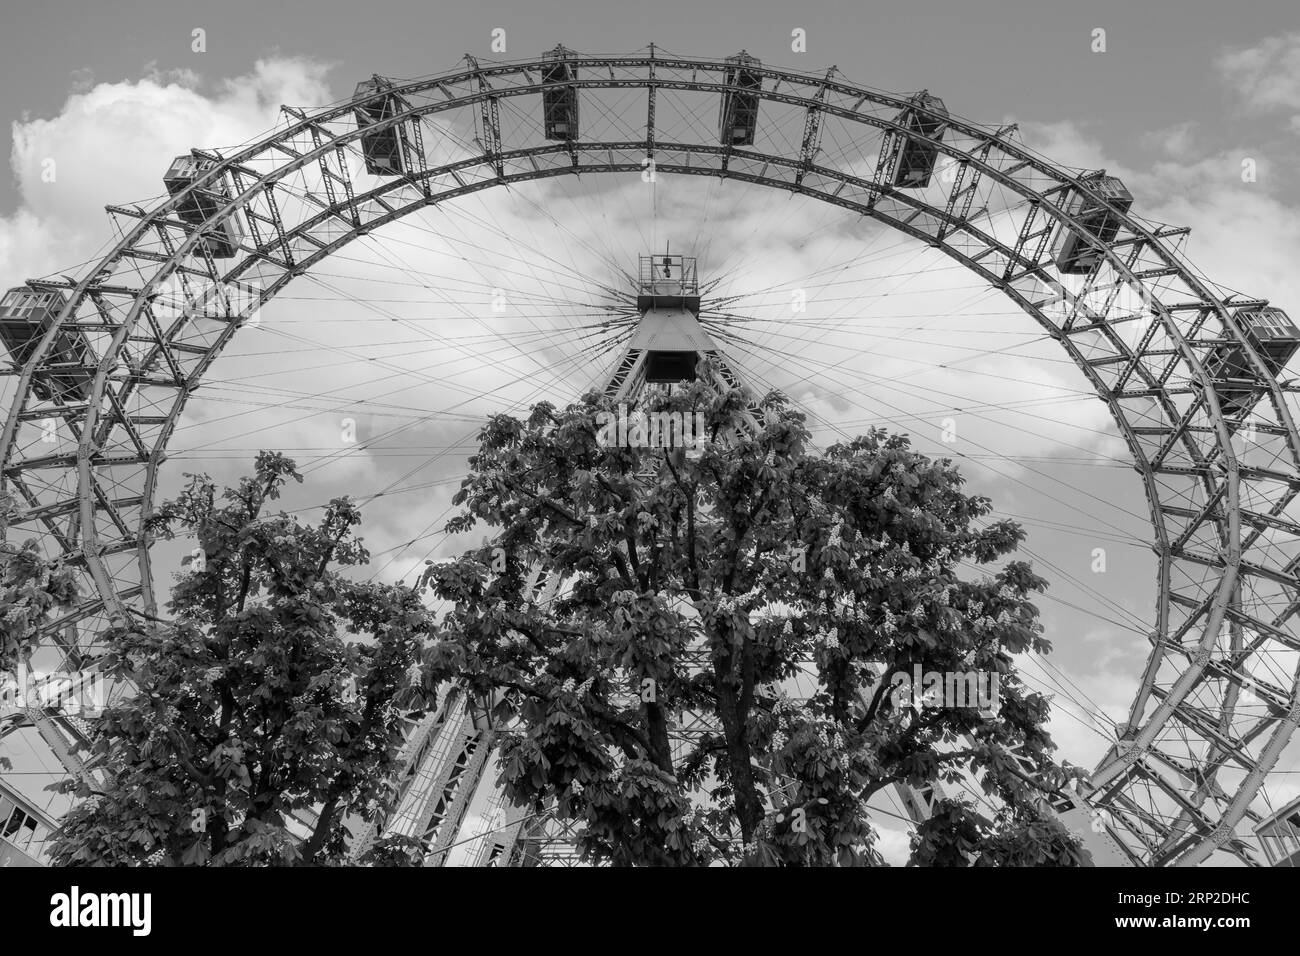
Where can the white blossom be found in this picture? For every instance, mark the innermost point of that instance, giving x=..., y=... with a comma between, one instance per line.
x=889, y=627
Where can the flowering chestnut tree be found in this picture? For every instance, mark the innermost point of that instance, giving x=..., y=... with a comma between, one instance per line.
x=268, y=711
x=715, y=677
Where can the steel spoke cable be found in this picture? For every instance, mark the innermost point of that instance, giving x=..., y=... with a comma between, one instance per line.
x=1106, y=601
x=330, y=394
x=973, y=410
x=820, y=367
x=904, y=417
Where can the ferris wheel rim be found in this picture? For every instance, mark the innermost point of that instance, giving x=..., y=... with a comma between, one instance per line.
x=160, y=217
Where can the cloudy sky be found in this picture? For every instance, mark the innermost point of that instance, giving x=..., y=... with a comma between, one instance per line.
x=894, y=334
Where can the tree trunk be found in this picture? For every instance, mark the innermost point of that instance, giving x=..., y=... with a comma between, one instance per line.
x=748, y=804
x=656, y=725
x=324, y=824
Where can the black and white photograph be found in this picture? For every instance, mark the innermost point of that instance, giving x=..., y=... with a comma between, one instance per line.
x=664, y=435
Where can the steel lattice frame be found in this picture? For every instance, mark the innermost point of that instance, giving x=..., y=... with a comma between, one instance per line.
x=1182, y=783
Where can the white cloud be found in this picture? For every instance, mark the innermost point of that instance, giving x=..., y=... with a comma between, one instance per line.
x=1244, y=234
x=100, y=143
x=893, y=844
x=1267, y=75
x=1067, y=142
x=1176, y=140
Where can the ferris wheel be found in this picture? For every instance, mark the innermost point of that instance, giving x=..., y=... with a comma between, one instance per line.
x=113, y=358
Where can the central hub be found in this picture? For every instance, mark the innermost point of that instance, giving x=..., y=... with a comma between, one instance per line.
x=667, y=282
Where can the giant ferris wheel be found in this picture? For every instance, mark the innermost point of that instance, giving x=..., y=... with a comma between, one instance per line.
x=111, y=357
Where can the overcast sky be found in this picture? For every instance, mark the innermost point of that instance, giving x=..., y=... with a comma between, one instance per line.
x=1182, y=94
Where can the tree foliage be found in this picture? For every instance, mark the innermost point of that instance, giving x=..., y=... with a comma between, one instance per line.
x=31, y=589
x=278, y=689
x=701, y=585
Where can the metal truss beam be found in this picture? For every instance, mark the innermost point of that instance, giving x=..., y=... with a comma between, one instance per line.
x=1182, y=449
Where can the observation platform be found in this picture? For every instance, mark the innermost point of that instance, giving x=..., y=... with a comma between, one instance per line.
x=667, y=282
